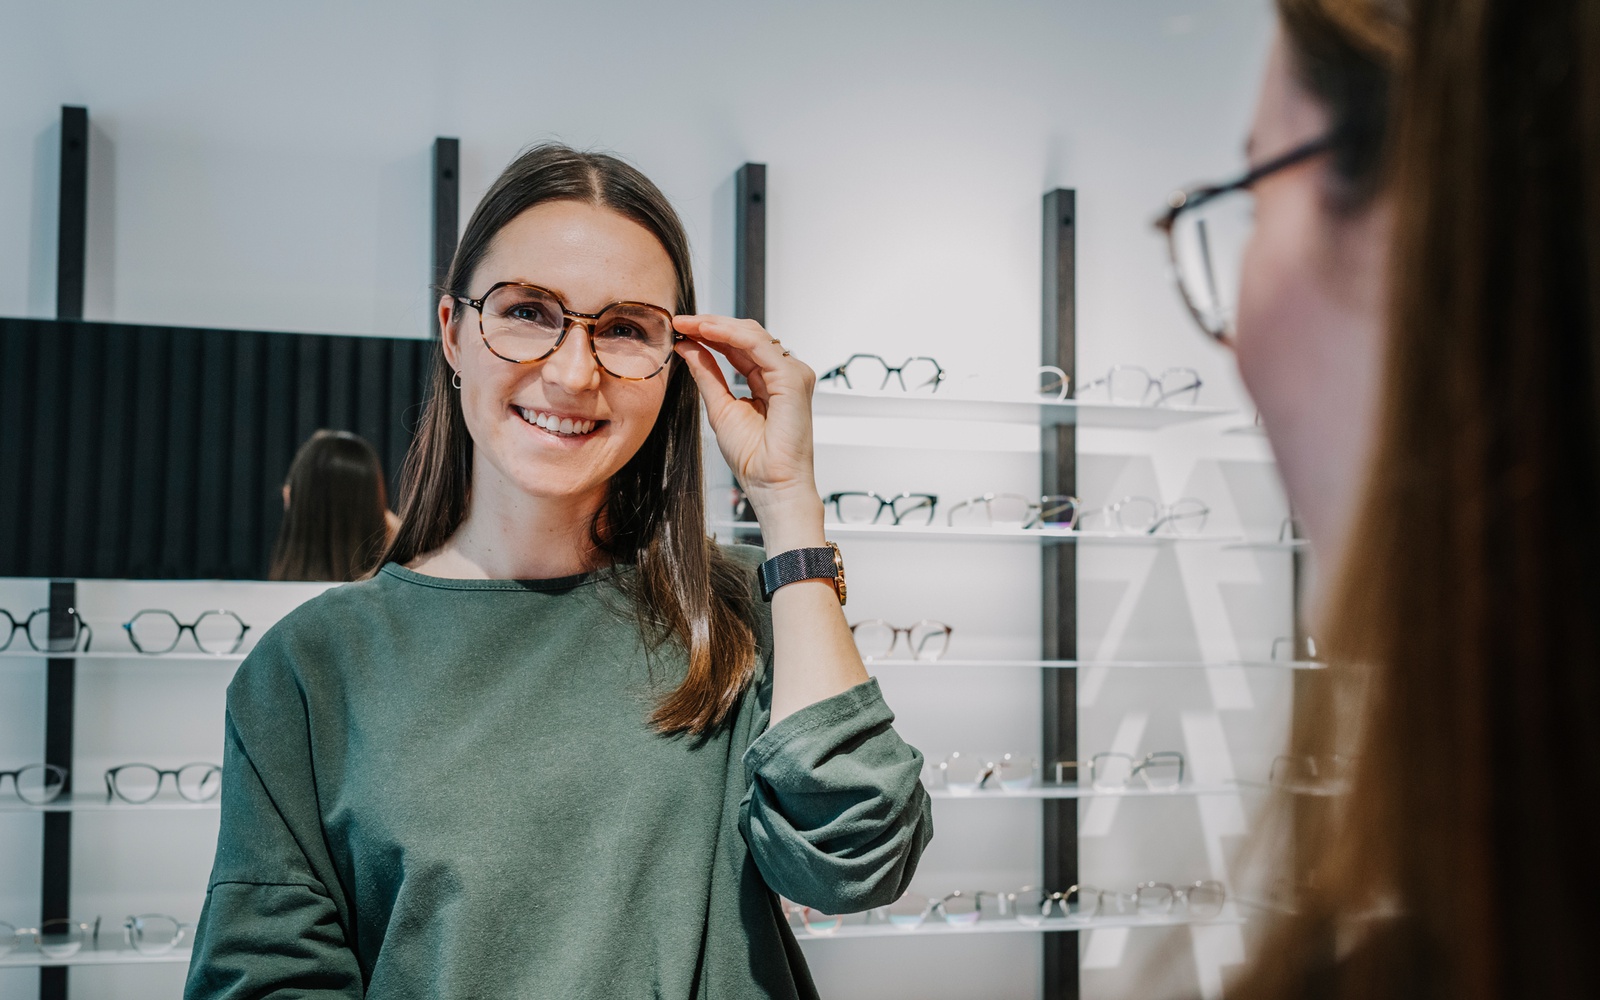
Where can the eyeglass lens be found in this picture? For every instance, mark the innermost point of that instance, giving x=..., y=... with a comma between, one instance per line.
x=522, y=323
x=1208, y=244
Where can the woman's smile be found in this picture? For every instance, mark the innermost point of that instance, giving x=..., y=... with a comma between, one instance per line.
x=566, y=427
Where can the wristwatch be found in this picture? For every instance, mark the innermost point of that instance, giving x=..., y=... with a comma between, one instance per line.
x=823, y=563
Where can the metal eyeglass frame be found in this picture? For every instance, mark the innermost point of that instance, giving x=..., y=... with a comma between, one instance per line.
x=1170, y=897
x=1194, y=197
x=1139, y=768
x=112, y=791
x=1165, y=514
x=938, y=629
x=16, y=781
x=89, y=932
x=182, y=628
x=80, y=628
x=1038, y=510
x=930, y=504
x=838, y=372
x=587, y=320
x=1150, y=382
x=136, y=925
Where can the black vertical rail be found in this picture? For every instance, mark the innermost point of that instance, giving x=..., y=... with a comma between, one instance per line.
x=446, y=215
x=750, y=259
x=55, y=895
x=1059, y=475
x=72, y=227
x=750, y=244
x=73, y=221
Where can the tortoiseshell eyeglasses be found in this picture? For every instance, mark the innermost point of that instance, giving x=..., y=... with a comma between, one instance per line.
x=523, y=323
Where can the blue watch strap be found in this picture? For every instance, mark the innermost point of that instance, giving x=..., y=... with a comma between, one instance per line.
x=796, y=565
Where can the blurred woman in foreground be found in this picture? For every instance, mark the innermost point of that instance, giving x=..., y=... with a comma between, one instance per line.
x=1417, y=317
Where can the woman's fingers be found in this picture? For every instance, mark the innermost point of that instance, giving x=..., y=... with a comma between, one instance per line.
x=742, y=341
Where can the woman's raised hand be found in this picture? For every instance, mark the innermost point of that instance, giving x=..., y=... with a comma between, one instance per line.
x=766, y=439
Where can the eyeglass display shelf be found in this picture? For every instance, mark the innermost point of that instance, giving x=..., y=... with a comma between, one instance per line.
x=1271, y=544
x=927, y=532
x=1105, y=664
x=89, y=955
x=1049, y=413
x=126, y=654
x=96, y=802
x=1327, y=790
x=1070, y=791
x=1228, y=917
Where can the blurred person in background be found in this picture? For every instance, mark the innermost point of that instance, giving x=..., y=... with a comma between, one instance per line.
x=336, y=517
x=1417, y=309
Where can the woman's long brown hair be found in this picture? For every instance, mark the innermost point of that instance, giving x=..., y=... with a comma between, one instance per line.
x=686, y=591
x=1465, y=625
x=335, y=524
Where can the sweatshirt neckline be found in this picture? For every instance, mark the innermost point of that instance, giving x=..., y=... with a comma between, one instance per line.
x=559, y=583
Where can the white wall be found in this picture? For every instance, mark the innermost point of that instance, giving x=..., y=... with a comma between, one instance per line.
x=267, y=167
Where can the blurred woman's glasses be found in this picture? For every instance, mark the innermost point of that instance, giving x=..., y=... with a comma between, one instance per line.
x=1207, y=228
x=524, y=323
x=153, y=631
x=876, y=639
x=870, y=371
x=36, y=627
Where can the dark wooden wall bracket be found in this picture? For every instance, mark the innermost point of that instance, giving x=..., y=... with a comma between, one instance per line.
x=1059, y=475
x=446, y=215
x=750, y=244
x=55, y=883
x=72, y=221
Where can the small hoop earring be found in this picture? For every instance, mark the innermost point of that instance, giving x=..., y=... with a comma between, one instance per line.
x=456, y=379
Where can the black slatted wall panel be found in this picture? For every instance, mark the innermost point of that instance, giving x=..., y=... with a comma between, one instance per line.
x=158, y=452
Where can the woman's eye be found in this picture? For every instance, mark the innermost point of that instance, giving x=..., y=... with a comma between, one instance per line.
x=530, y=313
x=623, y=331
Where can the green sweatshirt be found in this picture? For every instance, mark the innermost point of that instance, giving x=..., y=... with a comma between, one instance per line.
x=448, y=788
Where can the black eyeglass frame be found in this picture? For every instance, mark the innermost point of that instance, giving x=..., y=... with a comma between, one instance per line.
x=929, y=502
x=588, y=320
x=113, y=791
x=1192, y=198
x=898, y=371
x=80, y=628
x=182, y=628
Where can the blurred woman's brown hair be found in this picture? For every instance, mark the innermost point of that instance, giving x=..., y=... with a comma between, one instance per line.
x=335, y=518
x=1464, y=629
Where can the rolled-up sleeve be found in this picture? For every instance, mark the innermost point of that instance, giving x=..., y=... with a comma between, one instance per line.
x=835, y=813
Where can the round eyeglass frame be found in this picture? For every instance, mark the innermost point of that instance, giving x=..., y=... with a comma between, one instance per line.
x=585, y=319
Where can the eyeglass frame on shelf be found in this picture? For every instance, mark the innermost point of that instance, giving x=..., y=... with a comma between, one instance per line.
x=932, y=505
x=90, y=932
x=80, y=628
x=238, y=641
x=1164, y=515
x=1194, y=197
x=940, y=629
x=1140, y=766
x=16, y=782
x=1151, y=382
x=838, y=372
x=1037, y=509
x=112, y=791
x=579, y=319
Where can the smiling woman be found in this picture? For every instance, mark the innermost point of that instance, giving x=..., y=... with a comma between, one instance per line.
x=557, y=699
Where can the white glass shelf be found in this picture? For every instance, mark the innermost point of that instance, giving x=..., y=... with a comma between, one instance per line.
x=1272, y=545
x=1083, y=792
x=1327, y=790
x=932, y=927
x=96, y=802
x=931, y=406
x=95, y=956
x=932, y=531
x=1106, y=664
x=128, y=654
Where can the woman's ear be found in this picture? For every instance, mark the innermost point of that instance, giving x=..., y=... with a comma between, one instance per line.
x=447, y=329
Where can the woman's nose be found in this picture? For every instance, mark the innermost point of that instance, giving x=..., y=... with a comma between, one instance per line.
x=572, y=366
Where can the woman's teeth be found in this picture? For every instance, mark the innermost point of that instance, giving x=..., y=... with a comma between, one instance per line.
x=557, y=425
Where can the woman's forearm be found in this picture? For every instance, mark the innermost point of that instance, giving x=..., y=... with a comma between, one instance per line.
x=814, y=655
